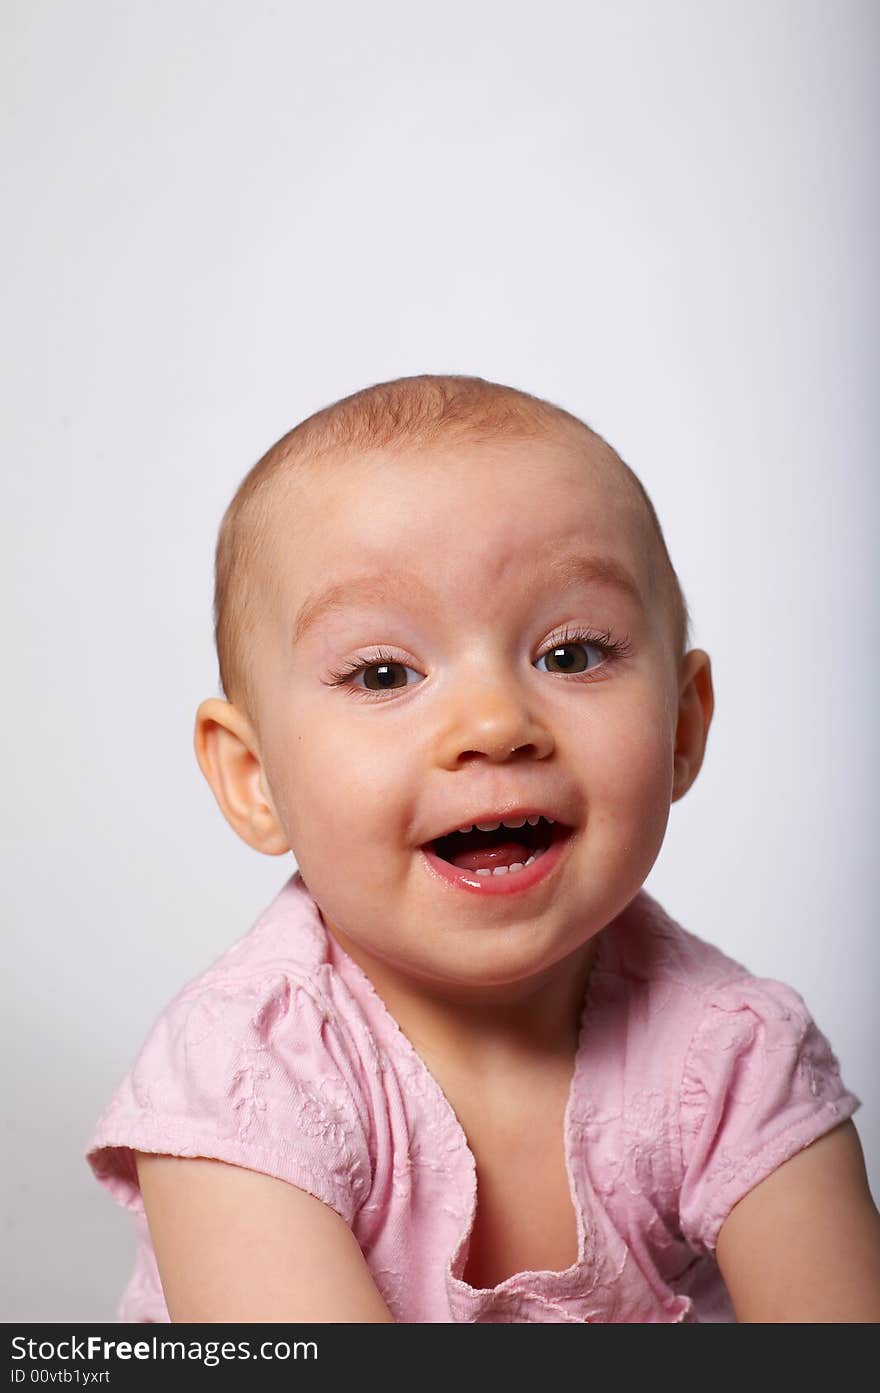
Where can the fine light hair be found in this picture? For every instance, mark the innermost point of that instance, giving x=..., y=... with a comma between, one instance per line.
x=402, y=414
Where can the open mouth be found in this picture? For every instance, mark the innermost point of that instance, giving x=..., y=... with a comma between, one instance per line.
x=507, y=861
x=503, y=847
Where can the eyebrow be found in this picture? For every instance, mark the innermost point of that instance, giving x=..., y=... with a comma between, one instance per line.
x=371, y=588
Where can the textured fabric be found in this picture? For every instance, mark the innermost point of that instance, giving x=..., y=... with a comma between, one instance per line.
x=693, y=1081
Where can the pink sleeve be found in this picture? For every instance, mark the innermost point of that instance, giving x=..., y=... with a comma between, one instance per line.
x=255, y=1073
x=760, y=1083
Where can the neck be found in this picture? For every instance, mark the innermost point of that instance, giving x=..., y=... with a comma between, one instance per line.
x=484, y=1031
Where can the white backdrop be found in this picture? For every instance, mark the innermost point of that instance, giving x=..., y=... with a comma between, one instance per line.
x=221, y=216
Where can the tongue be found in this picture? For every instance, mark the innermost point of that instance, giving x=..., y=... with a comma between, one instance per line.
x=505, y=854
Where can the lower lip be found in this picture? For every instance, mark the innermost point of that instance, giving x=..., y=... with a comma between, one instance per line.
x=514, y=883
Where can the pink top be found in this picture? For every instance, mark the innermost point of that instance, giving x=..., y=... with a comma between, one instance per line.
x=693, y=1081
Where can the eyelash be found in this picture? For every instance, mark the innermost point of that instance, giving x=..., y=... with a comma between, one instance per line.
x=612, y=649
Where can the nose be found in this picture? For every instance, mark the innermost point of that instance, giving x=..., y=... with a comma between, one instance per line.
x=496, y=722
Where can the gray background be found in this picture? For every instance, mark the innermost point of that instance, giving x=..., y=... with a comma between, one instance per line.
x=222, y=216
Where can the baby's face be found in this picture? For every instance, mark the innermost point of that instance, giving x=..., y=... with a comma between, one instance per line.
x=447, y=685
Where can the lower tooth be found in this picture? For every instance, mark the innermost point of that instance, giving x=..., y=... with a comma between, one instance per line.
x=505, y=870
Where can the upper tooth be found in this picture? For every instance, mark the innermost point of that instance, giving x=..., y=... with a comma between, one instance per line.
x=507, y=822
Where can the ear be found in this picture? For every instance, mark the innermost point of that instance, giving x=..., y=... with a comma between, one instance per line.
x=696, y=704
x=228, y=755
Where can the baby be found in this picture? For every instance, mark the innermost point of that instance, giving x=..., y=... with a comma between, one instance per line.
x=463, y=1067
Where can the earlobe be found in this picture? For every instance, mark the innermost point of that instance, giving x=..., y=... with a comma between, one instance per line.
x=228, y=755
x=695, y=711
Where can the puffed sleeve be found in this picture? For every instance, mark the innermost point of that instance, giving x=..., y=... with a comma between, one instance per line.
x=256, y=1073
x=759, y=1084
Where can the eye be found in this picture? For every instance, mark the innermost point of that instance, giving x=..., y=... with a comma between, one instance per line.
x=381, y=672
x=385, y=675
x=570, y=657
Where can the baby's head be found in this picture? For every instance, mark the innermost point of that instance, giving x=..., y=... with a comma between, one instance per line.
x=436, y=601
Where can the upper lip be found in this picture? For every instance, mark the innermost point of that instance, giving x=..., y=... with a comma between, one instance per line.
x=501, y=815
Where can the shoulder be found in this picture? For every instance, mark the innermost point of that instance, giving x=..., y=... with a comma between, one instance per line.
x=645, y=945
x=273, y=995
x=734, y=1030
x=653, y=982
x=677, y=983
x=750, y=1077
x=288, y=935
x=258, y=1061
x=733, y=1064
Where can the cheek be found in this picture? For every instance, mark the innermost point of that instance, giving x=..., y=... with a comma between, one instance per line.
x=628, y=765
x=338, y=785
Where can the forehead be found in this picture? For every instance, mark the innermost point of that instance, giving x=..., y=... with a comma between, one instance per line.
x=553, y=474
x=469, y=515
